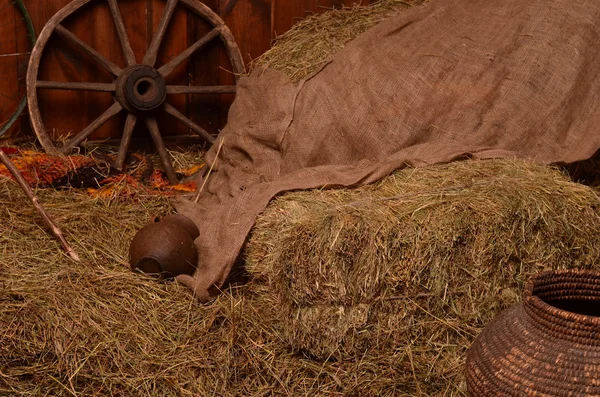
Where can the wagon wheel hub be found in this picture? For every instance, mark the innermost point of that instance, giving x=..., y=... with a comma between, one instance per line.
x=141, y=88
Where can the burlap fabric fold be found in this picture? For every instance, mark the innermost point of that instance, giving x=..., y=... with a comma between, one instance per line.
x=449, y=79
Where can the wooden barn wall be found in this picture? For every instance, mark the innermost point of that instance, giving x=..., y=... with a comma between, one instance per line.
x=254, y=23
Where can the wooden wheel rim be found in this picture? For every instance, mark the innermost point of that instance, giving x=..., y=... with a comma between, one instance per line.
x=54, y=25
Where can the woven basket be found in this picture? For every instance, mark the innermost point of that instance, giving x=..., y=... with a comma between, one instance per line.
x=548, y=345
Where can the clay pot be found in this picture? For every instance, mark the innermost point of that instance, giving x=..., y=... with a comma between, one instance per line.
x=548, y=345
x=184, y=222
x=165, y=247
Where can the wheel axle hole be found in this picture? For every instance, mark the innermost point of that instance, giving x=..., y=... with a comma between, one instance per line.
x=143, y=88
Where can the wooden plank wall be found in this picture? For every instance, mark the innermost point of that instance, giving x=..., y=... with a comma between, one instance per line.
x=254, y=24
x=13, y=68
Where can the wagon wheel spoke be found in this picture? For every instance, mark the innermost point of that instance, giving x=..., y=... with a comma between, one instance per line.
x=105, y=63
x=87, y=131
x=125, y=140
x=189, y=123
x=60, y=85
x=172, y=65
x=190, y=89
x=125, y=46
x=152, y=54
x=162, y=150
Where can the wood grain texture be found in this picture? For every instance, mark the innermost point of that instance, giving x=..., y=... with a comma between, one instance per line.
x=286, y=13
x=13, y=68
x=242, y=17
x=204, y=110
x=254, y=23
x=123, y=37
x=69, y=112
x=9, y=97
x=250, y=23
x=22, y=127
x=136, y=13
x=174, y=43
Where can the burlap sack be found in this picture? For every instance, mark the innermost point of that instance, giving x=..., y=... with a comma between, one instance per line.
x=438, y=82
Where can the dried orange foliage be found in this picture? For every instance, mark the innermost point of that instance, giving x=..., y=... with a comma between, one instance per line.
x=128, y=186
x=100, y=180
x=41, y=169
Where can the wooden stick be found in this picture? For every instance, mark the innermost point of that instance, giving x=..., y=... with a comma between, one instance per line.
x=38, y=206
x=210, y=170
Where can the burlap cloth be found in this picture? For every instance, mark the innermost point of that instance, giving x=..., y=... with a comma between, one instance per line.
x=435, y=83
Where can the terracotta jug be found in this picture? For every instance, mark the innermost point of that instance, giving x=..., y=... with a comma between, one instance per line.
x=165, y=247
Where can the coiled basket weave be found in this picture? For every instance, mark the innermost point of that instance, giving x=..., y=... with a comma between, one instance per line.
x=548, y=345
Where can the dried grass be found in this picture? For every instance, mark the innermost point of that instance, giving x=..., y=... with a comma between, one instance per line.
x=355, y=293
x=308, y=44
x=95, y=328
x=404, y=273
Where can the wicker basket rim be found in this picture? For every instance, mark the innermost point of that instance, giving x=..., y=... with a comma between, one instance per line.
x=532, y=300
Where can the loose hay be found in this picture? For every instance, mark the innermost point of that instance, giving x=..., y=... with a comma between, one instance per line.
x=404, y=273
x=308, y=44
x=94, y=328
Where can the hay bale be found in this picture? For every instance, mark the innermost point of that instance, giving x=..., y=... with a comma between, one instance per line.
x=308, y=44
x=93, y=328
x=404, y=273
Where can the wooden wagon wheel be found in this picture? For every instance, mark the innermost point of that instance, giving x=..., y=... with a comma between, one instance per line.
x=139, y=89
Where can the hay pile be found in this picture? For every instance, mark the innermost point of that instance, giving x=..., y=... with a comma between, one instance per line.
x=373, y=292
x=94, y=328
x=308, y=44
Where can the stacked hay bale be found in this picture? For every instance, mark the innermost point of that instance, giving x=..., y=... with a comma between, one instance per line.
x=403, y=274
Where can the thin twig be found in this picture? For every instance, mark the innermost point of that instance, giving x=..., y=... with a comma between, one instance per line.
x=209, y=171
x=14, y=54
x=437, y=191
x=38, y=206
x=412, y=366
